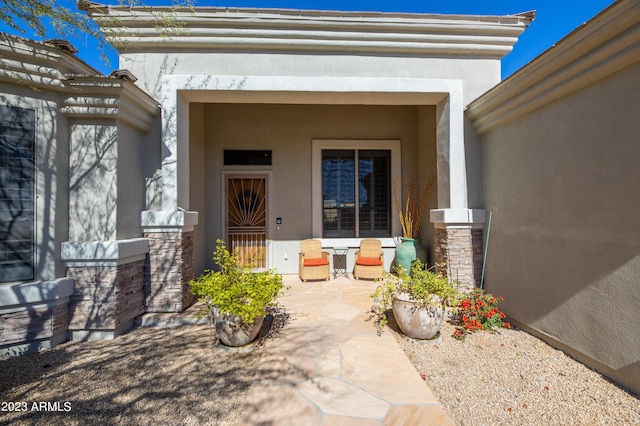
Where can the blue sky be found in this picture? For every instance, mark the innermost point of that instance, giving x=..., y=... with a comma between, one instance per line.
x=555, y=19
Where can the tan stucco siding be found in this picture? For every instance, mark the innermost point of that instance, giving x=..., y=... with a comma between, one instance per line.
x=288, y=130
x=477, y=75
x=564, y=251
x=93, y=180
x=132, y=156
x=198, y=182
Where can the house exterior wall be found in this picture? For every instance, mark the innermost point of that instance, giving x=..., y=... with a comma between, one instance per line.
x=427, y=161
x=477, y=75
x=288, y=130
x=132, y=163
x=89, y=175
x=317, y=57
x=198, y=186
x=51, y=169
x=108, y=174
x=110, y=171
x=561, y=182
x=93, y=181
x=33, y=315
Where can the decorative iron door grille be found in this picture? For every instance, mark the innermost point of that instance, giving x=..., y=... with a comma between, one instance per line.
x=247, y=219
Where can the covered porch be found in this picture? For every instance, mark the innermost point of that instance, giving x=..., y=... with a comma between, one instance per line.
x=419, y=122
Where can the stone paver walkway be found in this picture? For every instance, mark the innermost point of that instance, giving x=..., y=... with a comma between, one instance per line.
x=328, y=366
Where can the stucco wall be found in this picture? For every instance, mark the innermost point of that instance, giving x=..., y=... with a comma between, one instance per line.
x=152, y=166
x=198, y=184
x=288, y=131
x=131, y=181
x=478, y=75
x=93, y=179
x=564, y=251
x=90, y=170
x=107, y=186
x=426, y=169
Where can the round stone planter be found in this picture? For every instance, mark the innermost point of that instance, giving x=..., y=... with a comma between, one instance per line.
x=415, y=320
x=233, y=332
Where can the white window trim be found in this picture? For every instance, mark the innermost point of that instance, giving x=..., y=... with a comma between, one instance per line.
x=318, y=145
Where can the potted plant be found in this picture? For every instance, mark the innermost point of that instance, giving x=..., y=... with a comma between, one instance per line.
x=417, y=300
x=237, y=297
x=411, y=213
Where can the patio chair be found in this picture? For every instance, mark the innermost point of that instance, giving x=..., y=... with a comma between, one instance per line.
x=313, y=262
x=369, y=260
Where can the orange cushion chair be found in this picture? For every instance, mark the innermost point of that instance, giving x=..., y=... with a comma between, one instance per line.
x=369, y=260
x=313, y=263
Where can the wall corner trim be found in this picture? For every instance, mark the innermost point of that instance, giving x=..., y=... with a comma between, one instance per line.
x=448, y=218
x=104, y=253
x=168, y=220
x=21, y=294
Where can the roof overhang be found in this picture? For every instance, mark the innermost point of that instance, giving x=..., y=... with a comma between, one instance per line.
x=607, y=43
x=51, y=66
x=145, y=29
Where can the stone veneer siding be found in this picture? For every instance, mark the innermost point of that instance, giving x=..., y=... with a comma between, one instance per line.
x=460, y=250
x=33, y=324
x=169, y=269
x=106, y=298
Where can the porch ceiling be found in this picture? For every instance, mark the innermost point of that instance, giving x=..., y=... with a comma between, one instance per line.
x=314, y=98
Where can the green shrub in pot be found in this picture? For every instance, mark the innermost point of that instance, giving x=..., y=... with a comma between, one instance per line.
x=235, y=293
x=426, y=292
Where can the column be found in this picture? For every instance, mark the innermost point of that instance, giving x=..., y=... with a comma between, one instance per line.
x=458, y=229
x=170, y=265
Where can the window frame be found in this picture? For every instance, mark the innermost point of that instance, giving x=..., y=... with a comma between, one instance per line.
x=32, y=130
x=319, y=145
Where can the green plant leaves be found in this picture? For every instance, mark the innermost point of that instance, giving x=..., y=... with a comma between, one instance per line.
x=237, y=290
x=423, y=286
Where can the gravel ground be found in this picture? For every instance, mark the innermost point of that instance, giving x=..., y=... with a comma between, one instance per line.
x=512, y=378
x=148, y=376
x=177, y=376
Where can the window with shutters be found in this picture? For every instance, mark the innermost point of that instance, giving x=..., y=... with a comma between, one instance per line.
x=17, y=145
x=356, y=193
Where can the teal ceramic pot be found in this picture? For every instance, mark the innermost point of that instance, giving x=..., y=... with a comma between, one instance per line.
x=405, y=253
x=409, y=250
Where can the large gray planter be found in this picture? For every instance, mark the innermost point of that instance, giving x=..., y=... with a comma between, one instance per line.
x=233, y=332
x=416, y=320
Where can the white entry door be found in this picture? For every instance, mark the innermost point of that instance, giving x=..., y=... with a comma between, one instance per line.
x=246, y=222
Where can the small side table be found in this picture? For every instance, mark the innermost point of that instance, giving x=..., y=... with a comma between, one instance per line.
x=340, y=261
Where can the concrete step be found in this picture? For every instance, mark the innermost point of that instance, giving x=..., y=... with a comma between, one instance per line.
x=172, y=319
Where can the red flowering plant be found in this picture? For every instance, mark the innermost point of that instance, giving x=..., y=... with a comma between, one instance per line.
x=479, y=311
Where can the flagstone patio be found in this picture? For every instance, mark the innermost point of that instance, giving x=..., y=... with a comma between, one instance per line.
x=329, y=366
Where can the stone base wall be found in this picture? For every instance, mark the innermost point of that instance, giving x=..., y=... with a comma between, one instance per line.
x=459, y=255
x=168, y=271
x=106, y=298
x=33, y=324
